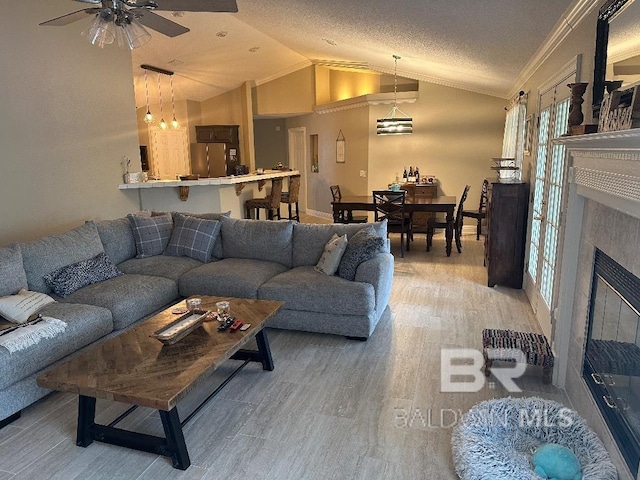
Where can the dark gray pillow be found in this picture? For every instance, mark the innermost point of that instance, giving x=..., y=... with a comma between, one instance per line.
x=362, y=246
x=12, y=275
x=151, y=234
x=193, y=237
x=67, y=280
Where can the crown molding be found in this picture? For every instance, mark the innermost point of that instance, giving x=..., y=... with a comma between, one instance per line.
x=282, y=73
x=575, y=14
x=367, y=100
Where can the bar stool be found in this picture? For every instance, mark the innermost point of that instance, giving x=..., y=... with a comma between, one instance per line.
x=270, y=203
x=291, y=197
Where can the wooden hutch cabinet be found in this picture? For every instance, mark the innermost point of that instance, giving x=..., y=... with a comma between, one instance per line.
x=506, y=233
x=415, y=190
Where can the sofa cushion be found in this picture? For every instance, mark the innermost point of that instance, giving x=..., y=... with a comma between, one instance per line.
x=258, y=239
x=12, y=275
x=85, y=324
x=67, y=280
x=151, y=234
x=193, y=237
x=362, y=246
x=333, y=251
x=117, y=239
x=128, y=297
x=55, y=251
x=160, y=266
x=305, y=289
x=309, y=239
x=19, y=307
x=231, y=277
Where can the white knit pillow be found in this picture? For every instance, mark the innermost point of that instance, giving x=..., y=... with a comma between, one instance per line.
x=19, y=307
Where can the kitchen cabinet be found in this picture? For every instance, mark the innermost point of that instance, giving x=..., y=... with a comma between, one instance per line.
x=217, y=134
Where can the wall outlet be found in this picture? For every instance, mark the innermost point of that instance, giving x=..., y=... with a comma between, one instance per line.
x=363, y=173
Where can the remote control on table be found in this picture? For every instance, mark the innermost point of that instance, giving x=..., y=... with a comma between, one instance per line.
x=236, y=325
x=226, y=324
x=244, y=327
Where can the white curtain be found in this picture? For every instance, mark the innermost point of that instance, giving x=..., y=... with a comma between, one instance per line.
x=514, y=133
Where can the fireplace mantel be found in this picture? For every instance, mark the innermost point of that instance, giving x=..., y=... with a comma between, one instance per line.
x=605, y=167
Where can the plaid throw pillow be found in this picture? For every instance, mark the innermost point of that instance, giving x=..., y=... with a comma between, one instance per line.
x=193, y=237
x=151, y=234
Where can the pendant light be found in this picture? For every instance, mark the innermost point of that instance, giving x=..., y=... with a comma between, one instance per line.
x=163, y=124
x=392, y=124
x=148, y=118
x=174, y=122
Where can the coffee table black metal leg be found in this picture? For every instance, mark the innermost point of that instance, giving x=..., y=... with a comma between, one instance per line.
x=86, y=420
x=265, y=350
x=177, y=448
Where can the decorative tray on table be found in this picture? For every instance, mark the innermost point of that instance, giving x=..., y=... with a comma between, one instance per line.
x=181, y=327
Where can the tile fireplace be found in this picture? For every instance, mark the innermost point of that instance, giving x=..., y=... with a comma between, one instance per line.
x=601, y=219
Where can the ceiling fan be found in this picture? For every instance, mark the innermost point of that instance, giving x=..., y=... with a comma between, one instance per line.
x=125, y=20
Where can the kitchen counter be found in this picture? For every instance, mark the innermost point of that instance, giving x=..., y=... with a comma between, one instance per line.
x=232, y=180
x=220, y=195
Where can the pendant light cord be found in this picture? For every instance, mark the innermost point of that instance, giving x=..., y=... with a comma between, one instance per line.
x=395, y=80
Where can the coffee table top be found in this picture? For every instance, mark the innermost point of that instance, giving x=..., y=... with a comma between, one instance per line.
x=135, y=368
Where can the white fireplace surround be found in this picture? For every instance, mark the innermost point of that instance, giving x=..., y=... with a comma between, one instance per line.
x=603, y=181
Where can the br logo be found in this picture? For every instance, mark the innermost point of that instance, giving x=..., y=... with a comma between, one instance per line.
x=461, y=368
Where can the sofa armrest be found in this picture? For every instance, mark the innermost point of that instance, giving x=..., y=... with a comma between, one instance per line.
x=378, y=272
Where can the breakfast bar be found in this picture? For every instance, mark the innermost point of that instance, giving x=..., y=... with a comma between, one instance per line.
x=205, y=194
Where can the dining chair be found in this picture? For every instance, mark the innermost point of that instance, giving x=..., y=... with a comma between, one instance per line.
x=291, y=197
x=389, y=205
x=432, y=224
x=481, y=213
x=342, y=218
x=271, y=203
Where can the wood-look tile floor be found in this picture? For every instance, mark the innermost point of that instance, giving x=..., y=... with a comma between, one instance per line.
x=332, y=409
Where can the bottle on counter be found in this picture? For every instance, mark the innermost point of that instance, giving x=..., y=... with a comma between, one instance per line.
x=404, y=175
x=417, y=175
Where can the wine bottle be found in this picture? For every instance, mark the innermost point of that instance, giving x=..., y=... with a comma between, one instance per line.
x=411, y=177
x=404, y=175
x=417, y=175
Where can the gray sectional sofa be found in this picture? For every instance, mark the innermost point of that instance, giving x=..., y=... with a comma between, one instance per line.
x=251, y=259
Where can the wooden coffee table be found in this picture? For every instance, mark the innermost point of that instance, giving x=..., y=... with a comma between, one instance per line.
x=137, y=369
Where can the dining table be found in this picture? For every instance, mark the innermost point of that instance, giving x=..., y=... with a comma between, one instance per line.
x=344, y=207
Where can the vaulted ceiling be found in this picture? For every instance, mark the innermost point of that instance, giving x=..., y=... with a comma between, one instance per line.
x=475, y=45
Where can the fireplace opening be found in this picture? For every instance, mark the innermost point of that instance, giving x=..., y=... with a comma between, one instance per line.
x=612, y=357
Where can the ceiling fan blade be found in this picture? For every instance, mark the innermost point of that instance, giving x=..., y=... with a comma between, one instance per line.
x=198, y=5
x=70, y=17
x=158, y=23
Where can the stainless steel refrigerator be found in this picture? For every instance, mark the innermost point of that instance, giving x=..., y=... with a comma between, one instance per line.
x=213, y=159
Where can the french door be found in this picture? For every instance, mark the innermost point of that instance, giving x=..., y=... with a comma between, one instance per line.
x=546, y=218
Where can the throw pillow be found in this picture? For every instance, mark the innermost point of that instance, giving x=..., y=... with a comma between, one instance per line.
x=19, y=307
x=333, y=251
x=193, y=237
x=362, y=246
x=67, y=280
x=151, y=234
x=12, y=275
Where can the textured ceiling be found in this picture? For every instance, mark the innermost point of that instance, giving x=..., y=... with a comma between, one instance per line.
x=476, y=45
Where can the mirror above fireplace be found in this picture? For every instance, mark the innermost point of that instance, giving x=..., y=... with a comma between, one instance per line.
x=617, y=54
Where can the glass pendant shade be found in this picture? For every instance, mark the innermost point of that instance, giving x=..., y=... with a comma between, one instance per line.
x=101, y=31
x=131, y=34
x=174, y=123
x=163, y=124
x=148, y=118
